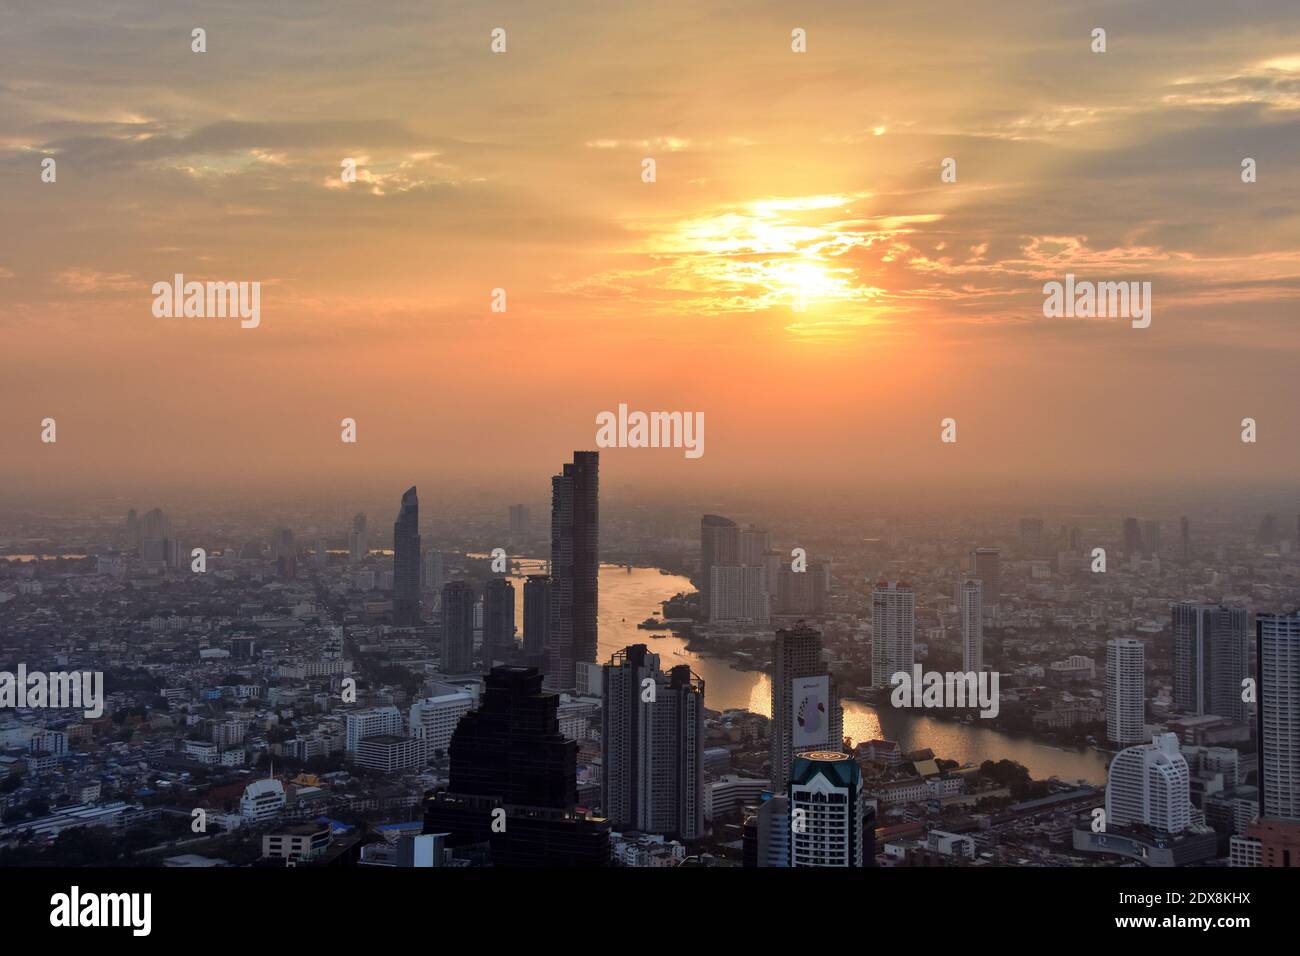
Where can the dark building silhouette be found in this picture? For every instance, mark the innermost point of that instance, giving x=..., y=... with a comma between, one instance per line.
x=575, y=566
x=1267, y=532
x=537, y=616
x=133, y=530
x=457, y=627
x=1132, y=536
x=406, y=561
x=986, y=564
x=284, y=552
x=513, y=781
x=498, y=621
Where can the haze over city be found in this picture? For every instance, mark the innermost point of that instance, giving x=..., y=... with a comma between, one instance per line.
x=700, y=434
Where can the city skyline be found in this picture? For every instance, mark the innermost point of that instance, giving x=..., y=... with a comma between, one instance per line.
x=693, y=435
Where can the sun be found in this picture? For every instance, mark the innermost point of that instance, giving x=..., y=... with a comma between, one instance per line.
x=776, y=253
x=804, y=281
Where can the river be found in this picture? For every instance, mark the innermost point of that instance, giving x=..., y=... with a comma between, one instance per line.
x=627, y=598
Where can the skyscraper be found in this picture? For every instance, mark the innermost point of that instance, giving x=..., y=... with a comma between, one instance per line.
x=1267, y=532
x=652, y=741
x=1132, y=536
x=1278, y=647
x=893, y=631
x=1125, y=691
x=158, y=545
x=1149, y=785
x=754, y=543
x=1185, y=537
x=358, y=539
x=972, y=624
x=739, y=594
x=986, y=564
x=719, y=547
x=537, y=614
x=827, y=811
x=513, y=781
x=284, y=552
x=406, y=561
x=1211, y=659
x=1151, y=538
x=432, y=573
x=520, y=523
x=457, y=628
x=806, y=711
x=498, y=621
x=575, y=568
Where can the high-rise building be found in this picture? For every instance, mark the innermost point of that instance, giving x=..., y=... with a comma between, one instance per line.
x=754, y=543
x=284, y=552
x=828, y=814
x=806, y=711
x=457, y=627
x=537, y=614
x=1185, y=537
x=739, y=595
x=1125, y=691
x=1149, y=785
x=155, y=526
x=719, y=547
x=774, y=563
x=767, y=832
x=133, y=530
x=972, y=624
x=511, y=746
x=652, y=742
x=158, y=545
x=1267, y=532
x=805, y=592
x=575, y=568
x=358, y=539
x=406, y=561
x=1132, y=536
x=1277, y=639
x=511, y=765
x=1151, y=539
x=498, y=621
x=893, y=631
x=986, y=564
x=1211, y=659
x=433, y=575
x=520, y=523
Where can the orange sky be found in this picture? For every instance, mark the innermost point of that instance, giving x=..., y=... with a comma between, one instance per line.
x=783, y=179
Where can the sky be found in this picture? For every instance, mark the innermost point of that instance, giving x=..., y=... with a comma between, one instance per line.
x=797, y=271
